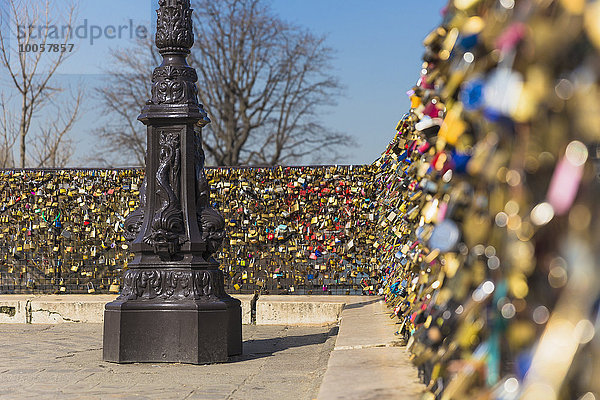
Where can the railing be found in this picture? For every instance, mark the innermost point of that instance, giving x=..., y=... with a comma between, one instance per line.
x=290, y=229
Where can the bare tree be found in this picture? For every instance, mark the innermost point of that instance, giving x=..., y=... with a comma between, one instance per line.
x=8, y=135
x=32, y=72
x=52, y=147
x=263, y=82
x=123, y=97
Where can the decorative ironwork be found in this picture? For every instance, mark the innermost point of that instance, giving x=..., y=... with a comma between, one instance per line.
x=133, y=222
x=167, y=225
x=174, y=31
x=211, y=222
x=213, y=230
x=175, y=97
x=174, y=82
x=202, y=187
x=174, y=85
x=172, y=284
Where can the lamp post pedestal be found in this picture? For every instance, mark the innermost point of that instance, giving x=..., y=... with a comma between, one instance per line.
x=195, y=331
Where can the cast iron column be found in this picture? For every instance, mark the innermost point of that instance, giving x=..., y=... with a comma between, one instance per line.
x=173, y=306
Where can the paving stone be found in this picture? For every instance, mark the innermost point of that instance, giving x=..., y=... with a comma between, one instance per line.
x=64, y=361
x=368, y=361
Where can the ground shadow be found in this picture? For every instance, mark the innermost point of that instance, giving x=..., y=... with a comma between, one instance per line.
x=259, y=348
x=361, y=304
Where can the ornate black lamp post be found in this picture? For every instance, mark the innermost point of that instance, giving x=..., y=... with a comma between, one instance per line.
x=173, y=307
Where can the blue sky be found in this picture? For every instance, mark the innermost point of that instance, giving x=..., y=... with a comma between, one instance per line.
x=378, y=48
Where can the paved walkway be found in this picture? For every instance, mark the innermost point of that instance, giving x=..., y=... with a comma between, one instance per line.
x=65, y=362
x=368, y=361
x=363, y=361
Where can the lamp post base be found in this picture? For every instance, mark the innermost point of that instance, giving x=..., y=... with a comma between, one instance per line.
x=193, y=332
